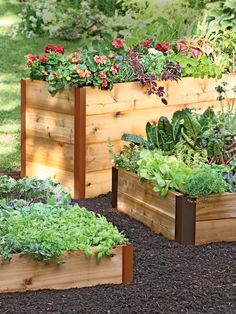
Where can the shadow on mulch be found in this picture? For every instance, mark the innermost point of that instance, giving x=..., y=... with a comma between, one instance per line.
x=13, y=174
x=168, y=278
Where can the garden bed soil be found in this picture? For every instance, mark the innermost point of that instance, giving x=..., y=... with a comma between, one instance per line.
x=168, y=278
x=187, y=220
x=65, y=136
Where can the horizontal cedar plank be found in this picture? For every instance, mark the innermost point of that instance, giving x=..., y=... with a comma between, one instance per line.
x=115, y=107
x=216, y=207
x=51, y=125
x=130, y=184
x=100, y=127
x=42, y=171
x=50, y=153
x=98, y=182
x=215, y=231
x=37, y=96
x=23, y=273
x=98, y=157
x=151, y=217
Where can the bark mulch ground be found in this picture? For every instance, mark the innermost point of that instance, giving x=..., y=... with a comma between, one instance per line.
x=168, y=278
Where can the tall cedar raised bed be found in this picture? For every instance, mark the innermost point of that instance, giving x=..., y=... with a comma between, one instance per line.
x=23, y=273
x=65, y=136
x=186, y=220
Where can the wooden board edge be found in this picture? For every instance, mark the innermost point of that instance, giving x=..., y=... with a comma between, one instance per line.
x=185, y=219
x=127, y=263
x=114, y=187
x=23, y=127
x=79, y=143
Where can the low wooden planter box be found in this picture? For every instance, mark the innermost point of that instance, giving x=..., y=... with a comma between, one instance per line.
x=65, y=136
x=186, y=220
x=23, y=274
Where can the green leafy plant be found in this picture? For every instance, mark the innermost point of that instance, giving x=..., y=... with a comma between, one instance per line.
x=31, y=191
x=45, y=231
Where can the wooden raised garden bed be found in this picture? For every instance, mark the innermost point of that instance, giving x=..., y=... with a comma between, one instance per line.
x=22, y=273
x=186, y=220
x=65, y=136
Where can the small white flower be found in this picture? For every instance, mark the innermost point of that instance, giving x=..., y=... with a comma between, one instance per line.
x=152, y=51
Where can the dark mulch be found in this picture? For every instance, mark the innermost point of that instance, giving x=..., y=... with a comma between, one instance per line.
x=168, y=278
x=13, y=174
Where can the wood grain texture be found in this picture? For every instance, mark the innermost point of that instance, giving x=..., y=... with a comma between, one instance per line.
x=145, y=205
x=38, y=97
x=50, y=125
x=215, y=231
x=98, y=182
x=216, y=207
x=22, y=273
x=50, y=153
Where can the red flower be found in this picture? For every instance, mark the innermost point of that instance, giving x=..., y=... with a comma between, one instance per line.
x=118, y=43
x=54, y=74
x=117, y=66
x=104, y=83
x=102, y=75
x=44, y=73
x=43, y=59
x=164, y=47
x=147, y=42
x=58, y=49
x=111, y=55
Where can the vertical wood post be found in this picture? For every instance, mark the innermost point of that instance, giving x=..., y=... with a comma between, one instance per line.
x=79, y=143
x=23, y=128
x=114, y=187
x=127, y=264
x=185, y=219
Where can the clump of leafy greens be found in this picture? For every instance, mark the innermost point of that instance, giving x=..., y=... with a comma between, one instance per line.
x=45, y=231
x=32, y=190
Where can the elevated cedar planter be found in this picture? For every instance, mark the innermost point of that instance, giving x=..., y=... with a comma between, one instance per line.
x=23, y=273
x=186, y=220
x=65, y=136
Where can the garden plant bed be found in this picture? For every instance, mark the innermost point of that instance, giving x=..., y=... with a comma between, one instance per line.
x=23, y=274
x=65, y=136
x=168, y=278
x=186, y=220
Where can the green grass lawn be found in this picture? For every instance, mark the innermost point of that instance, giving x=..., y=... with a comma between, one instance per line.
x=12, y=69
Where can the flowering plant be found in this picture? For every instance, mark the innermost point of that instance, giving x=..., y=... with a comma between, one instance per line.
x=148, y=62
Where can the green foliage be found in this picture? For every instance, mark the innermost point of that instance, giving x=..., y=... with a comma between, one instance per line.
x=45, y=231
x=32, y=190
x=205, y=182
x=166, y=171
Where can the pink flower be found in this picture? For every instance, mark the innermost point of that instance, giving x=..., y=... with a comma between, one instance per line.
x=117, y=66
x=87, y=73
x=75, y=60
x=164, y=47
x=54, y=74
x=182, y=45
x=111, y=55
x=100, y=59
x=118, y=43
x=113, y=70
x=102, y=75
x=147, y=42
x=44, y=73
x=196, y=52
x=74, y=54
x=104, y=83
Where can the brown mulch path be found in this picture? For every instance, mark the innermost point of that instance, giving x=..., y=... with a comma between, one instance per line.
x=168, y=278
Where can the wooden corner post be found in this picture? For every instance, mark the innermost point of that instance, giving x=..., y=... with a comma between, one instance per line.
x=127, y=264
x=23, y=128
x=79, y=143
x=114, y=187
x=185, y=220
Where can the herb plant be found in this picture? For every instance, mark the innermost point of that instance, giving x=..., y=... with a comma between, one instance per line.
x=45, y=231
